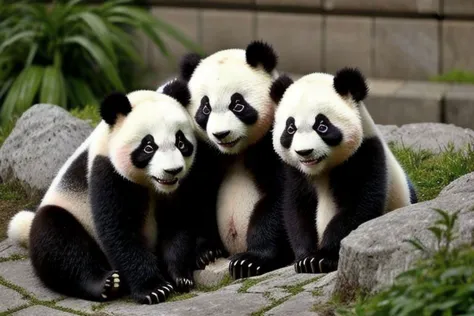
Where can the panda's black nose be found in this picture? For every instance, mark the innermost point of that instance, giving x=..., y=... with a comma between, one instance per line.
x=221, y=135
x=304, y=152
x=174, y=171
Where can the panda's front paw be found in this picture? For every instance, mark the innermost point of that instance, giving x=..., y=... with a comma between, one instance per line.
x=315, y=264
x=184, y=284
x=247, y=264
x=111, y=286
x=158, y=295
x=207, y=252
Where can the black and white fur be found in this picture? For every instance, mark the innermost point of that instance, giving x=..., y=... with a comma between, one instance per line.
x=339, y=170
x=111, y=223
x=236, y=165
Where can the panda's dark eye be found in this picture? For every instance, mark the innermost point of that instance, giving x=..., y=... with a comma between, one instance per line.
x=291, y=129
x=148, y=149
x=238, y=107
x=206, y=110
x=322, y=128
x=181, y=145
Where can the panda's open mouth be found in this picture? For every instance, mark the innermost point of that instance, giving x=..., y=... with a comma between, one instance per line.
x=311, y=162
x=165, y=182
x=230, y=144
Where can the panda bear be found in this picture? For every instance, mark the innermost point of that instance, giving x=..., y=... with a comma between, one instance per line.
x=339, y=171
x=110, y=223
x=236, y=169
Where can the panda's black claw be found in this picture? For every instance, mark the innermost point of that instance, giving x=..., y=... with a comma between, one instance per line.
x=315, y=264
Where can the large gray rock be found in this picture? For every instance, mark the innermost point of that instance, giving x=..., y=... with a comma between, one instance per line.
x=434, y=137
x=374, y=254
x=42, y=140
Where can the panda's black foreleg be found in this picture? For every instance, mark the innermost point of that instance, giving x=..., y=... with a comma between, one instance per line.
x=68, y=260
x=267, y=246
x=120, y=209
x=177, y=250
x=338, y=228
x=299, y=212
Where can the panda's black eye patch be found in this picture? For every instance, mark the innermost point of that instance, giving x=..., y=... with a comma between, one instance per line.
x=287, y=136
x=142, y=155
x=203, y=112
x=183, y=144
x=244, y=111
x=330, y=134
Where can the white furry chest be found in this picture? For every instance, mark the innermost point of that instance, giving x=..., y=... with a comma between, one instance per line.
x=237, y=197
x=326, y=208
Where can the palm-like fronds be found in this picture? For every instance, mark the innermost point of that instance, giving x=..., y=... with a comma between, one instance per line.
x=69, y=53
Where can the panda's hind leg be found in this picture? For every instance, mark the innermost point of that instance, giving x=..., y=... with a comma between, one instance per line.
x=68, y=260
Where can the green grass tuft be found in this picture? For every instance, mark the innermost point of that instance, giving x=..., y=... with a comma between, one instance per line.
x=88, y=113
x=274, y=304
x=430, y=172
x=248, y=283
x=455, y=76
x=175, y=297
x=441, y=283
x=298, y=288
x=13, y=257
x=6, y=128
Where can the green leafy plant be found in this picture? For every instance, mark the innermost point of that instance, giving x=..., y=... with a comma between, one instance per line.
x=71, y=54
x=441, y=283
x=455, y=76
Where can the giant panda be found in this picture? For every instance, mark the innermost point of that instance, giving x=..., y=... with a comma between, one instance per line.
x=339, y=171
x=236, y=173
x=110, y=222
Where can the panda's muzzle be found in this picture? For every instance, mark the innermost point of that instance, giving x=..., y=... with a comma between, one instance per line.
x=165, y=182
x=313, y=161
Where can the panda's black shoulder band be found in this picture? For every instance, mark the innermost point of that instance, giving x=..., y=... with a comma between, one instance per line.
x=261, y=53
x=178, y=90
x=114, y=104
x=279, y=87
x=188, y=64
x=350, y=80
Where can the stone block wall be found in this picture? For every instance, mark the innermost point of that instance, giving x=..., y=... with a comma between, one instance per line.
x=391, y=39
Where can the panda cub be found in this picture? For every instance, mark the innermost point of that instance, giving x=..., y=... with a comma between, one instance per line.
x=110, y=223
x=236, y=169
x=339, y=172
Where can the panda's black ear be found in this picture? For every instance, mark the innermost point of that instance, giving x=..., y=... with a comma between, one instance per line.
x=113, y=105
x=178, y=90
x=279, y=87
x=261, y=53
x=188, y=64
x=351, y=81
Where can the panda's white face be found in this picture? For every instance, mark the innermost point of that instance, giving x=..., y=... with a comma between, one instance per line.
x=230, y=103
x=315, y=128
x=154, y=144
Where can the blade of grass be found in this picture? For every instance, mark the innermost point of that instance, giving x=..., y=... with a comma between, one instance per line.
x=99, y=30
x=100, y=57
x=15, y=38
x=51, y=87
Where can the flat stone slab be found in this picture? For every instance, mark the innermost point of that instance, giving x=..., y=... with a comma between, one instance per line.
x=203, y=305
x=39, y=310
x=287, y=278
x=300, y=304
x=7, y=250
x=20, y=273
x=10, y=299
